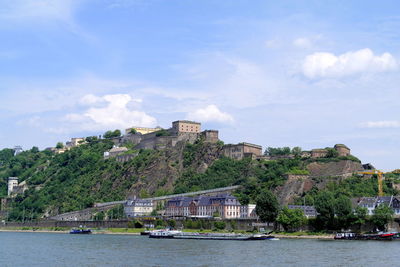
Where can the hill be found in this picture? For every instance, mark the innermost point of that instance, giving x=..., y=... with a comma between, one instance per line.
x=79, y=177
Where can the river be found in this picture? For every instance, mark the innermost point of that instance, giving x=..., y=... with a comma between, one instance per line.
x=56, y=249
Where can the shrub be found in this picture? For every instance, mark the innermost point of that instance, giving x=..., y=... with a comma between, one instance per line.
x=219, y=225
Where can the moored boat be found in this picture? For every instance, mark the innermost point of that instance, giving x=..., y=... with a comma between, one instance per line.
x=208, y=236
x=163, y=233
x=354, y=236
x=80, y=231
x=147, y=232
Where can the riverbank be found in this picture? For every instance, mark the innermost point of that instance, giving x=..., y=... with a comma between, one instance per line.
x=65, y=230
x=304, y=236
x=136, y=231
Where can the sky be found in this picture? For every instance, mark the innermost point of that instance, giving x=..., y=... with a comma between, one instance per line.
x=274, y=73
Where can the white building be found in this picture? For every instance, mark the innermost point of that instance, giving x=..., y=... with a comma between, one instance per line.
x=138, y=207
x=12, y=182
x=247, y=211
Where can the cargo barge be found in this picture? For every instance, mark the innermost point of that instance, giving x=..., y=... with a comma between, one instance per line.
x=208, y=236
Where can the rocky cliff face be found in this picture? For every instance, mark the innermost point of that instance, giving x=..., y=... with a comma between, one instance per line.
x=342, y=168
x=320, y=175
x=166, y=166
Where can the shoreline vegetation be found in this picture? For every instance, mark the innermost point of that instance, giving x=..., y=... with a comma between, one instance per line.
x=136, y=231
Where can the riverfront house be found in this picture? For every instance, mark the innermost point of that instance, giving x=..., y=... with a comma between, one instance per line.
x=138, y=207
x=224, y=206
x=371, y=203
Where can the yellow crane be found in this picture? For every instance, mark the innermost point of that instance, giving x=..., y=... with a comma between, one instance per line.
x=380, y=179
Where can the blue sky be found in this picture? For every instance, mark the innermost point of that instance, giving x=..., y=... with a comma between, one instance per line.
x=275, y=73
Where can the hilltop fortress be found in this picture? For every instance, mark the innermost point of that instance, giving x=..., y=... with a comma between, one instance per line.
x=190, y=131
x=185, y=131
x=158, y=138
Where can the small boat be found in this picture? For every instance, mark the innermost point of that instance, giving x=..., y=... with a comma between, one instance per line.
x=80, y=231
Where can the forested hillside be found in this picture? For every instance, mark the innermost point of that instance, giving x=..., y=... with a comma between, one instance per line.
x=80, y=177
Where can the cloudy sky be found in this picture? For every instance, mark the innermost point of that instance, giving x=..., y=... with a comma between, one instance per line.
x=275, y=73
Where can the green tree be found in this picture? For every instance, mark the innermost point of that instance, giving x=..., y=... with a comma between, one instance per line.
x=112, y=134
x=138, y=224
x=132, y=131
x=163, y=132
x=325, y=206
x=382, y=215
x=291, y=219
x=296, y=151
x=267, y=206
x=34, y=149
x=171, y=223
x=219, y=225
x=59, y=145
x=116, y=212
x=343, y=210
x=90, y=139
x=332, y=153
x=278, y=151
x=360, y=216
x=99, y=216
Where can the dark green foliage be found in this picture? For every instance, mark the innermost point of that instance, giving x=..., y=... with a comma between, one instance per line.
x=116, y=213
x=59, y=145
x=112, y=134
x=297, y=171
x=6, y=155
x=70, y=181
x=163, y=132
x=325, y=206
x=296, y=151
x=91, y=139
x=138, y=224
x=332, y=153
x=171, y=223
x=343, y=211
x=335, y=211
x=359, y=216
x=291, y=219
x=253, y=175
x=159, y=223
x=219, y=225
x=189, y=153
x=267, y=206
x=343, y=206
x=99, y=216
x=133, y=131
x=349, y=157
x=355, y=186
x=277, y=151
x=382, y=215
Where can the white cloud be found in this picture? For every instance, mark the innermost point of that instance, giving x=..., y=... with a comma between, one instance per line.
x=323, y=64
x=211, y=113
x=381, y=124
x=115, y=113
x=38, y=9
x=302, y=43
x=91, y=99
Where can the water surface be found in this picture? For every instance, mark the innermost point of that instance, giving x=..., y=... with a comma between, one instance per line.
x=48, y=249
